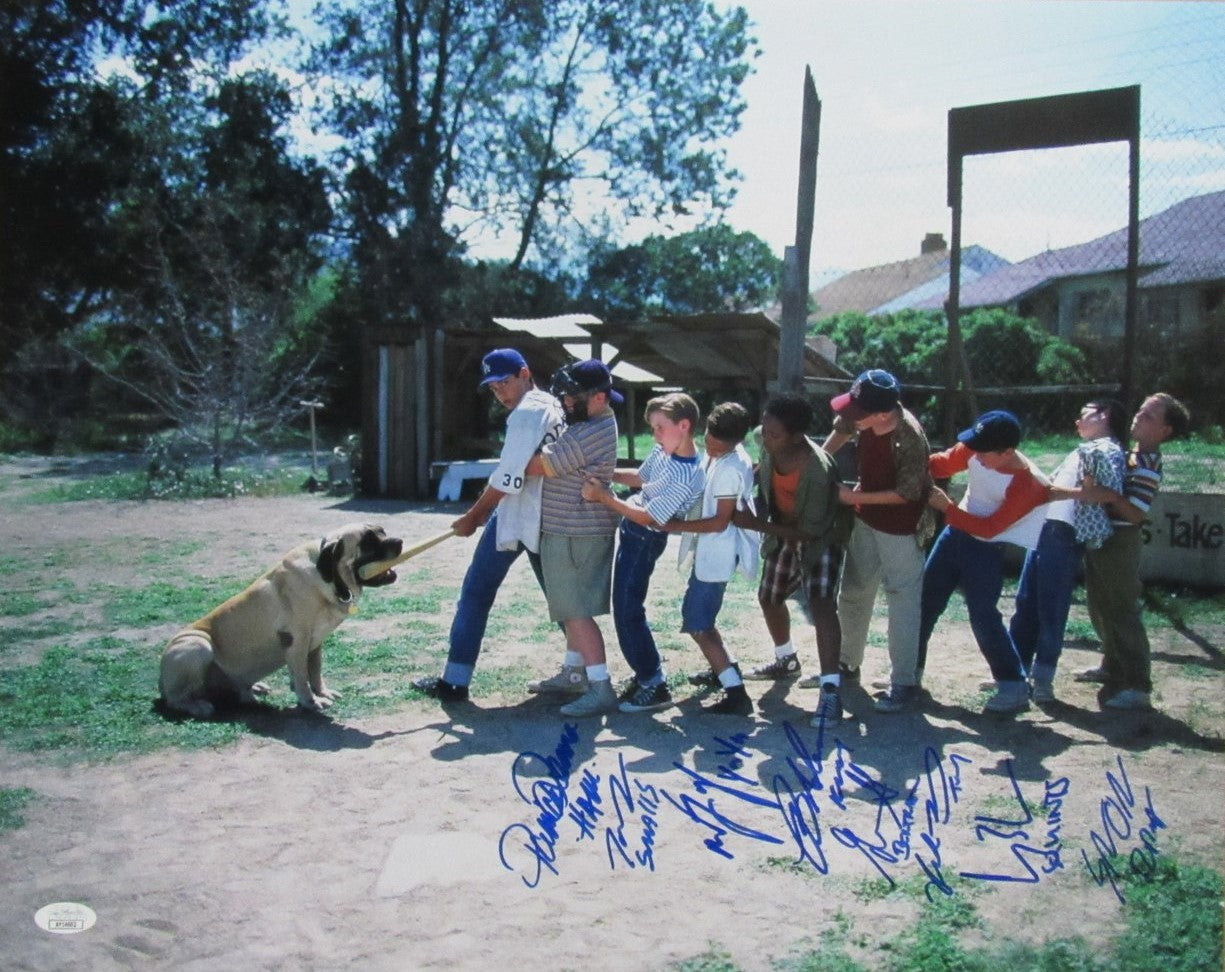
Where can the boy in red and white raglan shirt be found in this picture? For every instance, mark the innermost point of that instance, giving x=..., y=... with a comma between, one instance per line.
x=1005, y=502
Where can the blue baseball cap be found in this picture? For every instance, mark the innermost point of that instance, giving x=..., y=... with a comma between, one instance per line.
x=582, y=377
x=993, y=432
x=501, y=363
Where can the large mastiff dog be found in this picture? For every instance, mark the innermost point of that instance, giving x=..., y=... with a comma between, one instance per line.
x=281, y=619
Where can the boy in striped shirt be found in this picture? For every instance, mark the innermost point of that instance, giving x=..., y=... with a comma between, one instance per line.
x=671, y=480
x=1112, y=572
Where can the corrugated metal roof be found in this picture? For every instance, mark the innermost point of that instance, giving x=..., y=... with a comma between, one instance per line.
x=694, y=351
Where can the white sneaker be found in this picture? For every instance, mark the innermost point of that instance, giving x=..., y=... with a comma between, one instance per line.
x=1129, y=699
x=571, y=680
x=598, y=698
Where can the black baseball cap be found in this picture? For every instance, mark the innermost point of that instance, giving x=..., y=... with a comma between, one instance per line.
x=584, y=377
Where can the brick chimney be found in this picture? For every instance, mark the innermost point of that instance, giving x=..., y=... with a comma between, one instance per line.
x=933, y=243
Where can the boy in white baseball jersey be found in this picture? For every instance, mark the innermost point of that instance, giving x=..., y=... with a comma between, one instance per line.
x=509, y=507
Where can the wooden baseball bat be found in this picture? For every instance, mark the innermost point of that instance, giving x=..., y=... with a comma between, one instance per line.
x=377, y=567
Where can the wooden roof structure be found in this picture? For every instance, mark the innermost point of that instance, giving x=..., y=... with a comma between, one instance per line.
x=715, y=351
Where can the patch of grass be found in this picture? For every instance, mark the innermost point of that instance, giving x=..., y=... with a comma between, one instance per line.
x=1182, y=607
x=1080, y=630
x=832, y=957
x=163, y=602
x=410, y=601
x=18, y=635
x=94, y=701
x=789, y=865
x=1173, y=923
x=18, y=604
x=194, y=484
x=1173, y=920
x=375, y=675
x=12, y=803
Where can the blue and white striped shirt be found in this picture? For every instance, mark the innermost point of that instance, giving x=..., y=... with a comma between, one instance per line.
x=670, y=484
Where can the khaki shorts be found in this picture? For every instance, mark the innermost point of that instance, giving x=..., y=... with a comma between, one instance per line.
x=577, y=575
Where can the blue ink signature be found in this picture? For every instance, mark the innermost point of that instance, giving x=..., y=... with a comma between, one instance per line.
x=1017, y=833
x=550, y=798
x=642, y=799
x=1118, y=817
x=530, y=849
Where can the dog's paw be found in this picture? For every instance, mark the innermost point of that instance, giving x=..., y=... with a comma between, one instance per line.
x=316, y=703
x=327, y=693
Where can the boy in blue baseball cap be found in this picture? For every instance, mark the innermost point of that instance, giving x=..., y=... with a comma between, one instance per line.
x=1004, y=502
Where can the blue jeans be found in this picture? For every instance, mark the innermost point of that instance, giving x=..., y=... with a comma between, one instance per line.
x=637, y=550
x=976, y=567
x=1044, y=598
x=485, y=574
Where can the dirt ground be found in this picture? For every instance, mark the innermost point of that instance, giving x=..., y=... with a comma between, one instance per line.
x=496, y=834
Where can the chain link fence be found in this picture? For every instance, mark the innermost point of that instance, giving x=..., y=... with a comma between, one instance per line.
x=1043, y=331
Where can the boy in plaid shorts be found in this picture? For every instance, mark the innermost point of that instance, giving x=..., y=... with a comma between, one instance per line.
x=802, y=546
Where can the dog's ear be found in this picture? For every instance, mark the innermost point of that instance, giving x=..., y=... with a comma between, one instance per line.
x=329, y=557
x=326, y=564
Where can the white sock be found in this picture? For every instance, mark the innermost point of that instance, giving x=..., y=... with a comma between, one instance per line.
x=573, y=660
x=597, y=673
x=834, y=680
x=783, y=650
x=729, y=677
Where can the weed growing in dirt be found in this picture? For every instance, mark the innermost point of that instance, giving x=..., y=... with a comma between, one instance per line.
x=12, y=803
x=713, y=960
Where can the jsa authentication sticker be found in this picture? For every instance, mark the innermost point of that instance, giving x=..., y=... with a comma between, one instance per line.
x=65, y=918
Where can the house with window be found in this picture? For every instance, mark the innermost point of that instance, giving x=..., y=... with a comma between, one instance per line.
x=1080, y=291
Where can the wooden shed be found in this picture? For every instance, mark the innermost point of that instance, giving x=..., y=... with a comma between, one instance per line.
x=423, y=405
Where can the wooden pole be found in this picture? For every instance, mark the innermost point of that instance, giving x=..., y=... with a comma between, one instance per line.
x=797, y=258
x=310, y=407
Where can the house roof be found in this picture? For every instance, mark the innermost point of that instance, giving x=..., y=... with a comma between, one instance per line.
x=892, y=286
x=1182, y=244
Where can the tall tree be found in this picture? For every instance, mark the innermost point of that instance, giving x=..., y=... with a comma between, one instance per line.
x=222, y=244
x=67, y=153
x=528, y=117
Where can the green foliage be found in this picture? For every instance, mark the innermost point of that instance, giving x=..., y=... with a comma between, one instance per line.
x=1001, y=348
x=631, y=98
x=711, y=269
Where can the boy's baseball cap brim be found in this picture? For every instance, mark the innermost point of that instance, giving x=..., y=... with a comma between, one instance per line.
x=843, y=405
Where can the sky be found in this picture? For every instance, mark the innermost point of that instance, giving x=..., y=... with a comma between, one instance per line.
x=888, y=71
